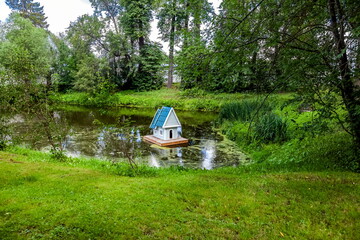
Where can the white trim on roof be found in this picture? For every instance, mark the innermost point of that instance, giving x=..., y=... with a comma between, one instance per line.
x=173, y=126
x=167, y=118
x=154, y=117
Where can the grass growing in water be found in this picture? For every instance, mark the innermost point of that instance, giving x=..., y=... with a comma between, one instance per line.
x=243, y=110
x=266, y=126
x=270, y=128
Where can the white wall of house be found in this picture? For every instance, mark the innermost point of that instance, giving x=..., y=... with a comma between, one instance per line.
x=164, y=133
x=174, y=133
x=159, y=132
x=171, y=121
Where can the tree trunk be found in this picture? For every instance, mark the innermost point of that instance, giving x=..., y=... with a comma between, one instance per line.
x=347, y=86
x=141, y=37
x=186, y=27
x=253, y=68
x=171, y=52
x=197, y=21
x=141, y=43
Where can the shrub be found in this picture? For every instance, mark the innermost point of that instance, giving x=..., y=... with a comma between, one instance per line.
x=3, y=145
x=270, y=128
x=58, y=155
x=329, y=152
x=4, y=131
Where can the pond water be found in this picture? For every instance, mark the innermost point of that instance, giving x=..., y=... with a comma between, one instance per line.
x=94, y=133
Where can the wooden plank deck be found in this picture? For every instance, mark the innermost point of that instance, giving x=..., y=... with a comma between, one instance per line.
x=167, y=143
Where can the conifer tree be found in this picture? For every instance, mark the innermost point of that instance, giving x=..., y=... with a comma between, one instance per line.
x=30, y=10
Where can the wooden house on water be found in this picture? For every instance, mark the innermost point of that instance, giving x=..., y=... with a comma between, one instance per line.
x=166, y=129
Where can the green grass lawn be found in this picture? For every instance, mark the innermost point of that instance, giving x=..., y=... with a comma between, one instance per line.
x=40, y=199
x=181, y=100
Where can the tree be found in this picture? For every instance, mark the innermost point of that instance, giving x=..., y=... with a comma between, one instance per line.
x=347, y=77
x=136, y=19
x=86, y=36
x=191, y=70
x=30, y=10
x=128, y=59
x=25, y=54
x=147, y=56
x=64, y=64
x=88, y=76
x=229, y=63
x=109, y=10
x=308, y=46
x=25, y=61
x=199, y=12
x=171, y=16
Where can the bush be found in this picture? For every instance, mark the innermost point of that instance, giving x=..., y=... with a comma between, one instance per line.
x=270, y=128
x=243, y=111
x=235, y=131
x=329, y=152
x=58, y=155
x=4, y=131
x=3, y=145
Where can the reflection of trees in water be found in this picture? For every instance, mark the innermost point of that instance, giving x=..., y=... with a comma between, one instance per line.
x=46, y=128
x=110, y=140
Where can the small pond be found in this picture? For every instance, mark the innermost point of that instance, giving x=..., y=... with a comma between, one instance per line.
x=92, y=133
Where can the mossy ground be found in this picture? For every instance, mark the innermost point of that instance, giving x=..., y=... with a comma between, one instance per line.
x=44, y=199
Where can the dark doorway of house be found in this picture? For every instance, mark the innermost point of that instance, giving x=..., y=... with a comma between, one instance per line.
x=171, y=134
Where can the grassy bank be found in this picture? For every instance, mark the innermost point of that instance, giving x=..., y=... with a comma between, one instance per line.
x=42, y=199
x=194, y=100
x=284, y=134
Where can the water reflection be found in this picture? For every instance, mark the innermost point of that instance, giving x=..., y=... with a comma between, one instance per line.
x=207, y=151
x=138, y=136
x=153, y=161
x=208, y=154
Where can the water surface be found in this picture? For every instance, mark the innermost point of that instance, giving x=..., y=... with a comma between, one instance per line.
x=97, y=133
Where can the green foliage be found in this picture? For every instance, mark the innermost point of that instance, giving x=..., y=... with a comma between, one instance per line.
x=88, y=77
x=243, y=110
x=4, y=130
x=135, y=19
x=157, y=98
x=30, y=10
x=26, y=59
x=192, y=66
x=236, y=131
x=331, y=152
x=149, y=75
x=58, y=155
x=193, y=93
x=302, y=144
x=64, y=65
x=25, y=53
x=270, y=128
x=129, y=59
x=124, y=169
x=3, y=145
x=171, y=16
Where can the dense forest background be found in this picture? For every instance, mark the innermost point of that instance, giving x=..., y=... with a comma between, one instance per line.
x=264, y=46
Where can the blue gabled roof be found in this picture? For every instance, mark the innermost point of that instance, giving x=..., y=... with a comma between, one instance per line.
x=160, y=117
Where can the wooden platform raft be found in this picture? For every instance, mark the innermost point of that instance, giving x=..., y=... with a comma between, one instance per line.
x=178, y=142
